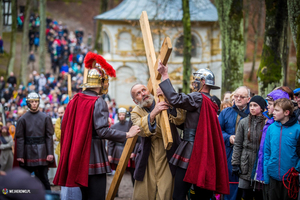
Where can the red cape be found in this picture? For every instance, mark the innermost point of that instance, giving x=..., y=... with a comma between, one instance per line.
x=208, y=163
x=76, y=138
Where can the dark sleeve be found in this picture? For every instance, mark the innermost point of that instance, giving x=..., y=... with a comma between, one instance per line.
x=298, y=147
x=100, y=118
x=49, y=131
x=172, y=111
x=20, y=132
x=110, y=147
x=189, y=102
x=151, y=127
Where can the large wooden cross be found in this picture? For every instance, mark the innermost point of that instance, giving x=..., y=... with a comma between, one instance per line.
x=153, y=82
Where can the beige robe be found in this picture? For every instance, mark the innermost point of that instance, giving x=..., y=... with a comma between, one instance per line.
x=158, y=182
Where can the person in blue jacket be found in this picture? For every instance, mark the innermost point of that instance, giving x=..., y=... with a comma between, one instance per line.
x=280, y=148
x=229, y=119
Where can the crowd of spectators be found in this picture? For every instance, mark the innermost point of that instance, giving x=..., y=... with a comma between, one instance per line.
x=67, y=52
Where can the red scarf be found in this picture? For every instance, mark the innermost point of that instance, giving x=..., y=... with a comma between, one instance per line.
x=208, y=163
x=76, y=138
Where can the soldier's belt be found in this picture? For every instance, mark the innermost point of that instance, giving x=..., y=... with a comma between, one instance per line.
x=34, y=140
x=189, y=135
x=96, y=137
x=120, y=144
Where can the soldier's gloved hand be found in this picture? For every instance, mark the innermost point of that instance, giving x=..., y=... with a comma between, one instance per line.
x=133, y=131
x=110, y=159
x=131, y=155
x=163, y=70
x=236, y=170
x=49, y=158
x=20, y=160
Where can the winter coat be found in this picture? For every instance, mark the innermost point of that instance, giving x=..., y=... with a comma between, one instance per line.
x=6, y=155
x=245, y=150
x=227, y=119
x=280, y=149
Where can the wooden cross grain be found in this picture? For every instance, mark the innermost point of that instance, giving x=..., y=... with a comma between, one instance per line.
x=69, y=87
x=155, y=76
x=154, y=80
x=85, y=74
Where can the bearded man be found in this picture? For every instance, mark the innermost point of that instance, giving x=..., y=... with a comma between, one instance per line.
x=153, y=173
x=34, y=140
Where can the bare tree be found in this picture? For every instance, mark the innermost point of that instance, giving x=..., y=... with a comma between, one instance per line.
x=25, y=45
x=246, y=27
x=187, y=46
x=1, y=18
x=12, y=52
x=42, y=46
x=230, y=14
x=257, y=30
x=294, y=19
x=270, y=68
x=98, y=39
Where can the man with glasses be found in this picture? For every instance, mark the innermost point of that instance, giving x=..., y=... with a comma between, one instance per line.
x=229, y=119
x=297, y=98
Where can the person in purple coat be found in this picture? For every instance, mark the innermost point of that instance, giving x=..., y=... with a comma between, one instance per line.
x=271, y=98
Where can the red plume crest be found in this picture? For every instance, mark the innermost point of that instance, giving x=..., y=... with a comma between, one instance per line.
x=91, y=57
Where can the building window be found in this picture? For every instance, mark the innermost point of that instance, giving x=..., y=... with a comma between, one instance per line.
x=196, y=47
x=106, y=43
x=124, y=41
x=6, y=9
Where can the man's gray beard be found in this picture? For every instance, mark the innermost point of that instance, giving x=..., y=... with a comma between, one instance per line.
x=147, y=102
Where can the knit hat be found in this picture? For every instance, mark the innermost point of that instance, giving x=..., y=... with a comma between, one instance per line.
x=297, y=91
x=260, y=101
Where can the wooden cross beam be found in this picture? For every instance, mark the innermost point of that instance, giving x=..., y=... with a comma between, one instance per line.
x=69, y=87
x=85, y=74
x=155, y=77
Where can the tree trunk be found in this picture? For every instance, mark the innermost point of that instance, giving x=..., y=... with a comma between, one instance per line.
x=42, y=46
x=1, y=18
x=187, y=46
x=25, y=41
x=247, y=7
x=270, y=69
x=231, y=24
x=98, y=38
x=294, y=19
x=284, y=47
x=257, y=32
x=12, y=52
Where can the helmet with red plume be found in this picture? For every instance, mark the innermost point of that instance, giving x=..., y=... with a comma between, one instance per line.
x=99, y=70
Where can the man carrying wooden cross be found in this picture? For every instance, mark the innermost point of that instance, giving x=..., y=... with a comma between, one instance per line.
x=153, y=174
x=83, y=162
x=200, y=157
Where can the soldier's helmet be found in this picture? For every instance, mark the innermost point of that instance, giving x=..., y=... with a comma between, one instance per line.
x=208, y=76
x=99, y=70
x=32, y=96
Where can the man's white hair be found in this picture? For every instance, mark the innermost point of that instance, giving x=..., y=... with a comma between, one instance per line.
x=244, y=87
x=132, y=88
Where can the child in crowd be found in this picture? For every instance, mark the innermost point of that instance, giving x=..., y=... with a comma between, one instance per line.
x=6, y=155
x=246, y=146
x=225, y=104
x=280, y=148
x=271, y=97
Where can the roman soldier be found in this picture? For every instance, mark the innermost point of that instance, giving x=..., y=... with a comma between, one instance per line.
x=34, y=140
x=83, y=162
x=200, y=157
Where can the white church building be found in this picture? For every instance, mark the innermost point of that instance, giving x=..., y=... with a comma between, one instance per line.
x=123, y=45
